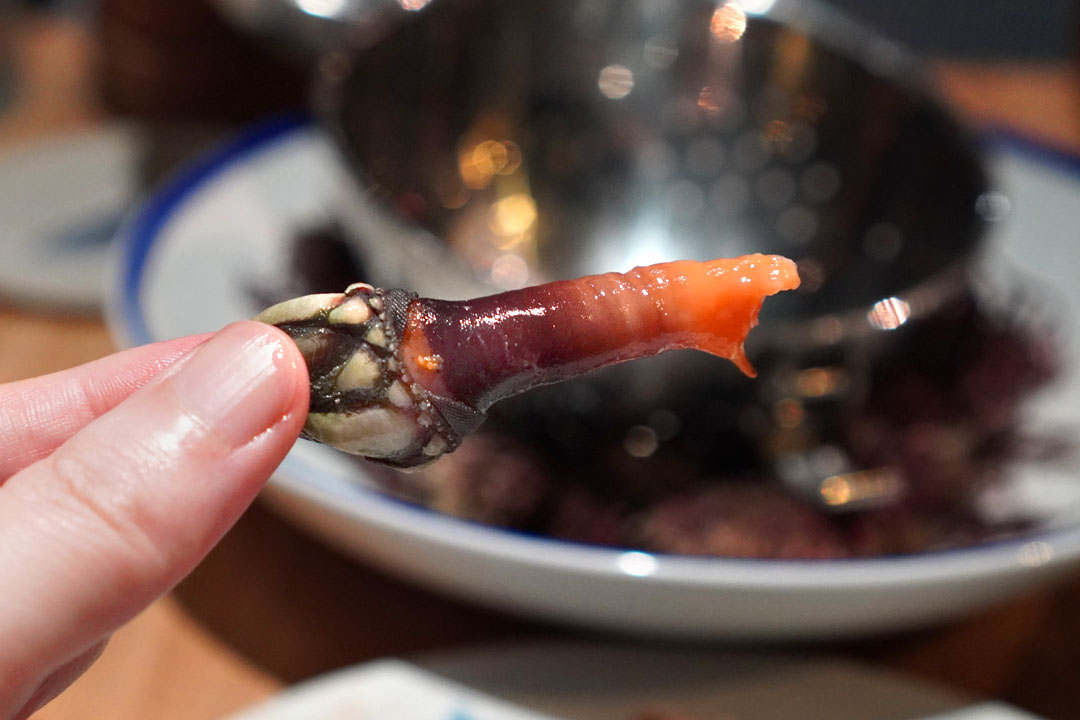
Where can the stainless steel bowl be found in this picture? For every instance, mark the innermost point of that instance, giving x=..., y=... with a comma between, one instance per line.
x=502, y=143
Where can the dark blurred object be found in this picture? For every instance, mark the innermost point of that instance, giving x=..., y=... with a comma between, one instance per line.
x=975, y=29
x=321, y=257
x=7, y=85
x=178, y=60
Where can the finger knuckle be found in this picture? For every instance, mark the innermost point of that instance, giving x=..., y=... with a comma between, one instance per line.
x=100, y=494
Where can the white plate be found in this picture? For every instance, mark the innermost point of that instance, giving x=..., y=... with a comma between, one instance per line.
x=589, y=682
x=61, y=199
x=186, y=262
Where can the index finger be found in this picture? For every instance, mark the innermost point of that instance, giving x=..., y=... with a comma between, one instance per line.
x=129, y=504
x=39, y=414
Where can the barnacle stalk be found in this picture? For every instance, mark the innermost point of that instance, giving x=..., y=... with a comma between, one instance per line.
x=402, y=379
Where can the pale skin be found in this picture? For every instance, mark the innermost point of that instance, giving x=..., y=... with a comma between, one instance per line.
x=117, y=477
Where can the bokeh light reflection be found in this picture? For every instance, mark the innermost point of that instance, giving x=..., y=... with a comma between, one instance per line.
x=889, y=314
x=757, y=7
x=615, y=81
x=775, y=188
x=789, y=413
x=704, y=156
x=993, y=206
x=883, y=242
x=820, y=382
x=728, y=22
x=730, y=193
x=1035, y=553
x=322, y=8
x=638, y=564
x=797, y=225
x=711, y=100
x=478, y=164
x=820, y=182
x=509, y=272
x=513, y=215
x=685, y=200
x=641, y=441
x=660, y=53
x=875, y=487
x=778, y=135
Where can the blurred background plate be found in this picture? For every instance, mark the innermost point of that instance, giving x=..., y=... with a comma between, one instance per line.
x=617, y=682
x=196, y=255
x=61, y=201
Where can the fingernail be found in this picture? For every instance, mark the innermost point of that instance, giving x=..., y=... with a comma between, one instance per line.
x=238, y=383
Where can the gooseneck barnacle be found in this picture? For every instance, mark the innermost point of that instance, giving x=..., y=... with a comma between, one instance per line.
x=402, y=379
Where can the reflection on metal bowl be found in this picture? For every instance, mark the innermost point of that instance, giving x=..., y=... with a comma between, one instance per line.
x=559, y=138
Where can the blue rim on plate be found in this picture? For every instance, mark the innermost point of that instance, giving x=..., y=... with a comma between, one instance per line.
x=146, y=225
x=129, y=325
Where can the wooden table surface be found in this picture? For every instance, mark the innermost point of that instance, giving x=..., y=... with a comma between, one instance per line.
x=272, y=606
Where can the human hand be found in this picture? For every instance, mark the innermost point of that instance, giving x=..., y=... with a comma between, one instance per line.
x=117, y=477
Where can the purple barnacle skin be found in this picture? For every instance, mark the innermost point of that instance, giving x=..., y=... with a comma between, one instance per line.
x=459, y=417
x=498, y=346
